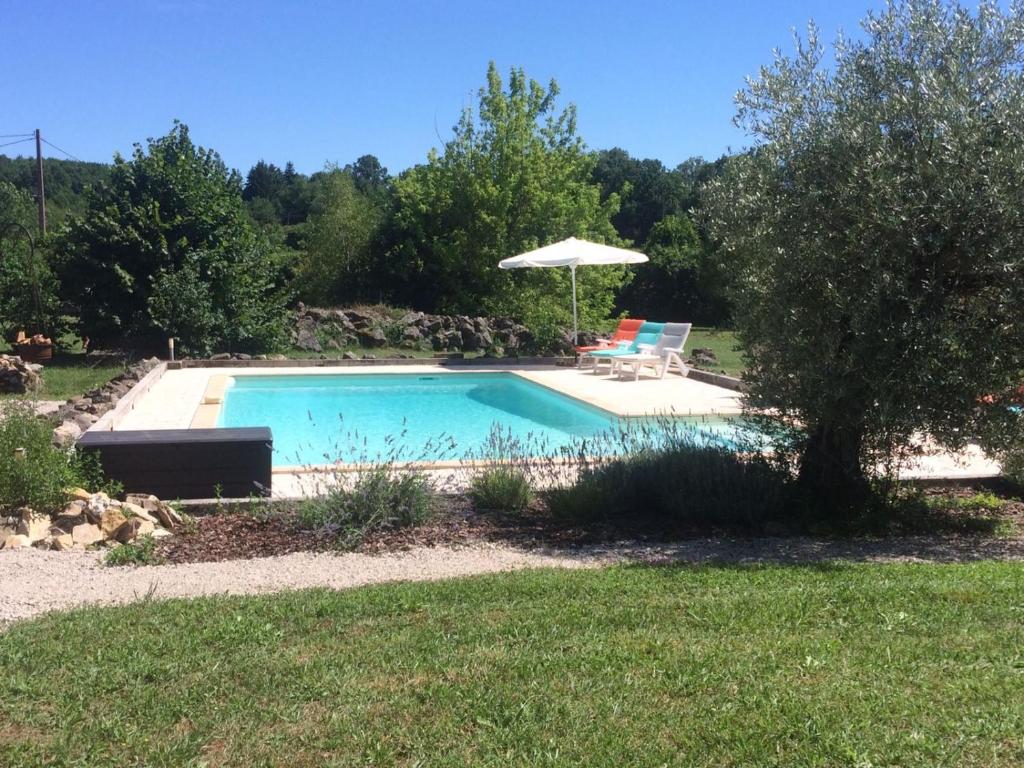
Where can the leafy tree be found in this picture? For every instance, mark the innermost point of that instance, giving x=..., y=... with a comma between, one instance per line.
x=338, y=266
x=24, y=306
x=368, y=174
x=169, y=201
x=877, y=233
x=647, y=189
x=513, y=177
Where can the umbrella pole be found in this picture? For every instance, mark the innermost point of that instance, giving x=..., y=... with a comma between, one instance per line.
x=575, y=328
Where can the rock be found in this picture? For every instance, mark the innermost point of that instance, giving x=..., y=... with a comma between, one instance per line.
x=350, y=356
x=167, y=516
x=85, y=420
x=96, y=506
x=79, y=494
x=369, y=357
x=34, y=525
x=132, y=529
x=221, y=356
x=18, y=377
x=62, y=542
x=147, y=501
x=17, y=541
x=67, y=433
x=110, y=521
x=305, y=335
x=277, y=357
x=135, y=510
x=161, y=533
x=86, y=534
x=372, y=337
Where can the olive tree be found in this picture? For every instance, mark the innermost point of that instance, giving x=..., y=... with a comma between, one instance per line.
x=875, y=235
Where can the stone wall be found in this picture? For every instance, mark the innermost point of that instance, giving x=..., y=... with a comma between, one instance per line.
x=323, y=329
x=82, y=411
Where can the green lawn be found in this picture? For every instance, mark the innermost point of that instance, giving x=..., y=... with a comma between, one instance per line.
x=861, y=665
x=730, y=360
x=69, y=375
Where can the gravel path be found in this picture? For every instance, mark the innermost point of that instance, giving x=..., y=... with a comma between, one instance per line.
x=33, y=582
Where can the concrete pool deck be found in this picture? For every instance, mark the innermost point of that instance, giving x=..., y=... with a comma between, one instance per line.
x=173, y=401
x=180, y=399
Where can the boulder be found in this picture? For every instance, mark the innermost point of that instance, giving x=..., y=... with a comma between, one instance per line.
x=17, y=541
x=86, y=534
x=34, y=525
x=110, y=521
x=62, y=542
x=132, y=529
x=67, y=433
x=305, y=336
x=135, y=510
x=18, y=377
x=372, y=337
x=79, y=494
x=167, y=516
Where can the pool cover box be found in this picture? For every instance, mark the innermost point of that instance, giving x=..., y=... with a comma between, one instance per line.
x=186, y=463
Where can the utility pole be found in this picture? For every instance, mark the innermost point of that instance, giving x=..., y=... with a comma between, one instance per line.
x=40, y=190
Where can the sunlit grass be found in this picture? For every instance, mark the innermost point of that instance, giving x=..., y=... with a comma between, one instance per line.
x=911, y=665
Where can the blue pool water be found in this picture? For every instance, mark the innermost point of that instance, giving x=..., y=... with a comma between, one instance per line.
x=317, y=419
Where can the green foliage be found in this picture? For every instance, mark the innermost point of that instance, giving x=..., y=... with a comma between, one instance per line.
x=33, y=308
x=142, y=551
x=208, y=308
x=67, y=182
x=675, y=488
x=501, y=487
x=380, y=498
x=339, y=266
x=170, y=201
x=647, y=190
x=681, y=281
x=513, y=177
x=33, y=472
x=876, y=233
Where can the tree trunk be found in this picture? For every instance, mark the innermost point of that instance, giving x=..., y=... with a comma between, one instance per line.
x=830, y=470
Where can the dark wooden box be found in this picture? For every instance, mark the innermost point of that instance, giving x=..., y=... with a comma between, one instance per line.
x=186, y=463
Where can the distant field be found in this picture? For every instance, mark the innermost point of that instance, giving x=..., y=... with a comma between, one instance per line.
x=826, y=665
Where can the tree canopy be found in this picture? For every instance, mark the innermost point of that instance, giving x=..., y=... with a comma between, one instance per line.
x=876, y=232
x=514, y=176
x=173, y=209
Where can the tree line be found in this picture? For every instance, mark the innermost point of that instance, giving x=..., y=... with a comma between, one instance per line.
x=150, y=245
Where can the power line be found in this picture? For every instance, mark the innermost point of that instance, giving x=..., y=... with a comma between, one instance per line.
x=13, y=135
x=19, y=141
x=51, y=144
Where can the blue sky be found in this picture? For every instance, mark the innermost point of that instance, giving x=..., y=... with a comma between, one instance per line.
x=314, y=82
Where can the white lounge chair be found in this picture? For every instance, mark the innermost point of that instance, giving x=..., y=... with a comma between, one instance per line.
x=666, y=353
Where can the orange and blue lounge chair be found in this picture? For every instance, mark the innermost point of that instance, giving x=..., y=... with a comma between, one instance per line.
x=626, y=332
x=646, y=338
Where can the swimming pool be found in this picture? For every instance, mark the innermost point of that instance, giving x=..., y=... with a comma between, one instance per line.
x=325, y=418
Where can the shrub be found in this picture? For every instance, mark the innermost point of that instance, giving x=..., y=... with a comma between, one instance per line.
x=501, y=487
x=379, y=499
x=33, y=472
x=675, y=487
x=142, y=551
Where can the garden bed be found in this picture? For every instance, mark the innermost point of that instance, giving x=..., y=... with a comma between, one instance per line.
x=267, y=529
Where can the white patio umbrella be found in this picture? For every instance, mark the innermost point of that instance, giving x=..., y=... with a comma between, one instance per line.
x=573, y=253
